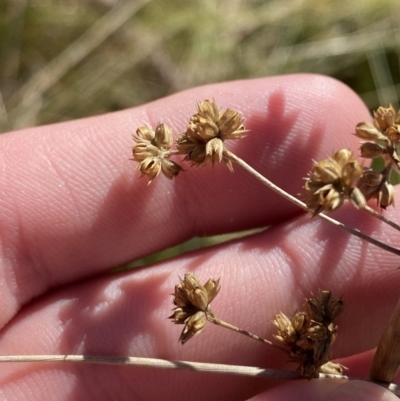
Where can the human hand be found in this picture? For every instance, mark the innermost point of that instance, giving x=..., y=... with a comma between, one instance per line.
x=72, y=207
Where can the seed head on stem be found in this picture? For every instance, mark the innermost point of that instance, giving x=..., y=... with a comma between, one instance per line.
x=332, y=181
x=309, y=334
x=152, y=151
x=381, y=139
x=203, y=141
x=192, y=301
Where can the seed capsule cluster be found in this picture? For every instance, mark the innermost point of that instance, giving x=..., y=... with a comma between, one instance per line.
x=310, y=333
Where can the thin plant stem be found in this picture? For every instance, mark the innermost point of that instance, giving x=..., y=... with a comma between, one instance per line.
x=219, y=322
x=381, y=217
x=162, y=364
x=181, y=365
x=302, y=205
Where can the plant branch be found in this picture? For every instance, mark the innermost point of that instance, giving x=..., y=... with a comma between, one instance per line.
x=381, y=217
x=303, y=206
x=219, y=322
x=160, y=364
x=181, y=365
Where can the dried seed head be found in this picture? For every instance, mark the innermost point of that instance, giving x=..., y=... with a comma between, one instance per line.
x=393, y=133
x=384, y=135
x=298, y=322
x=152, y=151
x=192, y=301
x=331, y=368
x=370, y=150
x=386, y=195
x=384, y=117
x=310, y=334
x=324, y=308
x=203, y=141
x=375, y=185
x=331, y=181
x=195, y=324
x=286, y=331
x=230, y=125
x=369, y=132
x=370, y=183
x=387, y=122
x=212, y=288
x=371, y=178
x=215, y=150
x=317, y=331
x=334, y=309
x=208, y=110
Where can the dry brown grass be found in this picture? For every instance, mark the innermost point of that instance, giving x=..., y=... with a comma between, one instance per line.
x=65, y=59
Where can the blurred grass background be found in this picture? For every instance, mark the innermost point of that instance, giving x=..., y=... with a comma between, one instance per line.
x=65, y=59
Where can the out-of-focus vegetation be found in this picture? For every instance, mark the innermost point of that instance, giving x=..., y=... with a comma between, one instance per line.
x=63, y=59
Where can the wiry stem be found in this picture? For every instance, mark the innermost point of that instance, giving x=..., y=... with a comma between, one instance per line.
x=181, y=365
x=381, y=217
x=163, y=364
x=219, y=322
x=302, y=205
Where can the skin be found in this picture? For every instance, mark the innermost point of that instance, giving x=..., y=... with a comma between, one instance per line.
x=72, y=207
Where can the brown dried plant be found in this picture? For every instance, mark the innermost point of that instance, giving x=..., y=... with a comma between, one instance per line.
x=341, y=177
x=152, y=151
x=331, y=182
x=308, y=335
x=202, y=142
x=192, y=301
x=381, y=139
x=209, y=128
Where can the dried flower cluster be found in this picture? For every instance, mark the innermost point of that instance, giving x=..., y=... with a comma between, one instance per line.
x=152, y=151
x=333, y=180
x=309, y=334
x=202, y=142
x=382, y=139
x=192, y=301
x=341, y=177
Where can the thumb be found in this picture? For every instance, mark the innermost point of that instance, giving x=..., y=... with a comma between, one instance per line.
x=327, y=390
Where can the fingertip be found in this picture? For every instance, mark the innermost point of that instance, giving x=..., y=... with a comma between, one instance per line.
x=327, y=390
x=354, y=390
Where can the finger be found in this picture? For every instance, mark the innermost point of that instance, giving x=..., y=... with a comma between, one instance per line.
x=260, y=276
x=72, y=206
x=327, y=390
